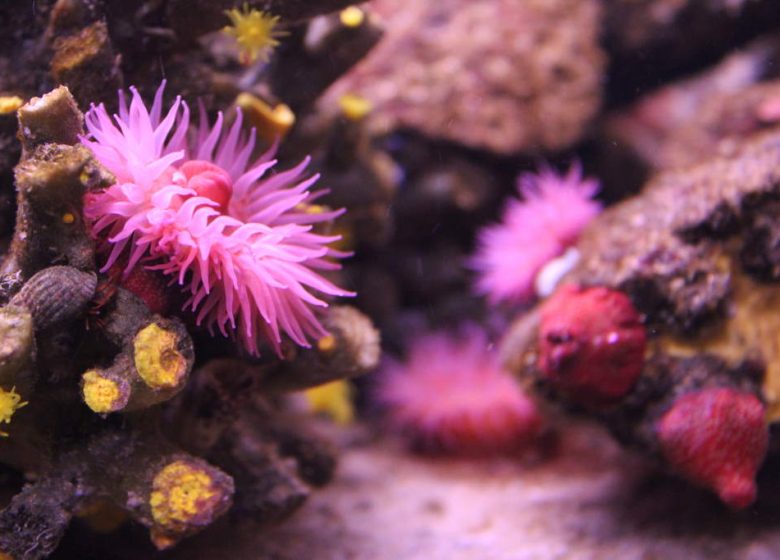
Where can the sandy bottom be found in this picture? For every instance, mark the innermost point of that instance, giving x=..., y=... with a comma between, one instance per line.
x=588, y=500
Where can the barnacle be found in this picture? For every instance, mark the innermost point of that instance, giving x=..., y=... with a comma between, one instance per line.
x=255, y=32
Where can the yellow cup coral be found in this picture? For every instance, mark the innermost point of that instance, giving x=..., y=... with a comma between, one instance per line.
x=102, y=394
x=255, y=32
x=185, y=496
x=157, y=359
x=10, y=402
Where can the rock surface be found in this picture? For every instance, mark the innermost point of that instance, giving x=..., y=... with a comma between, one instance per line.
x=589, y=502
x=500, y=75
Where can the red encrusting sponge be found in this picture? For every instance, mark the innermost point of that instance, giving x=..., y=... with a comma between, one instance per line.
x=717, y=438
x=145, y=284
x=592, y=344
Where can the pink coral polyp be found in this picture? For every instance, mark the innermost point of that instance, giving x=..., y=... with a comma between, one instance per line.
x=238, y=239
x=553, y=212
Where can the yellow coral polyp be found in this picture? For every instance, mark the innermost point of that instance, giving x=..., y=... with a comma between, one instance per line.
x=332, y=399
x=10, y=402
x=326, y=343
x=355, y=107
x=181, y=492
x=256, y=33
x=272, y=123
x=9, y=104
x=101, y=395
x=157, y=360
x=352, y=16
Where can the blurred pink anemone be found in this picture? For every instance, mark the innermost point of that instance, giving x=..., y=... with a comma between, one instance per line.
x=451, y=396
x=554, y=210
x=238, y=238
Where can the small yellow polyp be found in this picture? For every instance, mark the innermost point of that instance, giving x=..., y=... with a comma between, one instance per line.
x=101, y=395
x=180, y=493
x=271, y=122
x=332, y=399
x=10, y=402
x=158, y=362
x=352, y=16
x=354, y=107
x=326, y=343
x=256, y=33
x=9, y=104
x=68, y=218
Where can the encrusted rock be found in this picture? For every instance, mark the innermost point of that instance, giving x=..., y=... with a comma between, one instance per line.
x=502, y=75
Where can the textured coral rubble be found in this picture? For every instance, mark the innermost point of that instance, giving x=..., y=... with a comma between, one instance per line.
x=695, y=252
x=502, y=75
x=713, y=111
x=128, y=359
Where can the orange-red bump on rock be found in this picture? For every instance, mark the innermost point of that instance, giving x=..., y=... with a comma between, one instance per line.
x=717, y=438
x=147, y=285
x=591, y=344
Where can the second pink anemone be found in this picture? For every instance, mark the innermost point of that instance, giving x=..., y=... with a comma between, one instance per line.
x=554, y=210
x=451, y=396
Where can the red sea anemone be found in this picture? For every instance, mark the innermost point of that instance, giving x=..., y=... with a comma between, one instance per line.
x=718, y=438
x=591, y=344
x=451, y=396
x=554, y=210
x=241, y=241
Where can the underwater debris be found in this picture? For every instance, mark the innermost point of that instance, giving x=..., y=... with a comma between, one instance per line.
x=256, y=33
x=241, y=243
x=451, y=397
x=554, y=210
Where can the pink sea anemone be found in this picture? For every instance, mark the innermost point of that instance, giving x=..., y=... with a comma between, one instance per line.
x=554, y=211
x=239, y=239
x=451, y=396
